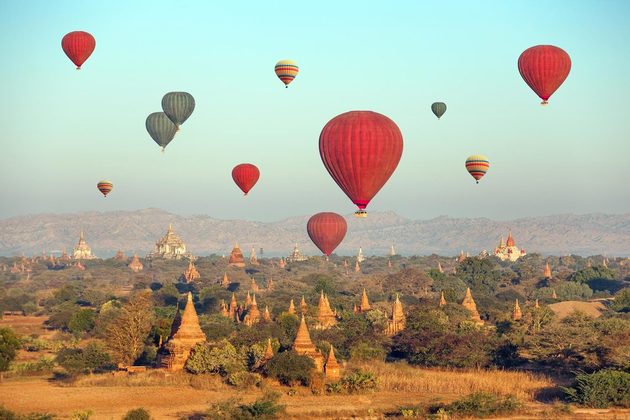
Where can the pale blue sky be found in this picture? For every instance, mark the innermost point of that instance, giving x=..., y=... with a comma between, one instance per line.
x=64, y=130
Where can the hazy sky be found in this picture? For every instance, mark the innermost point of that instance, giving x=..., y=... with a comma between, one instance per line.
x=64, y=130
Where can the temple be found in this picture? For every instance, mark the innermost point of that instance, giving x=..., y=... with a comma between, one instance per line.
x=282, y=264
x=120, y=256
x=225, y=283
x=296, y=255
x=191, y=274
x=326, y=318
x=270, y=284
x=82, y=251
x=508, y=250
x=517, y=314
x=469, y=303
x=254, y=286
x=185, y=334
x=291, y=309
x=364, y=306
x=442, y=300
x=331, y=368
x=439, y=268
x=253, y=260
x=392, y=251
x=547, y=273
x=357, y=267
x=304, y=346
x=169, y=247
x=253, y=314
x=360, y=257
x=135, y=265
x=397, y=321
x=236, y=257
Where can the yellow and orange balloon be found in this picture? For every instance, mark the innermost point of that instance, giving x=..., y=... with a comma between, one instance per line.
x=286, y=70
x=105, y=187
x=477, y=166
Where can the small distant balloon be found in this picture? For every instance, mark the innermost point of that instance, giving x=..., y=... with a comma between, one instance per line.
x=477, y=166
x=160, y=128
x=327, y=230
x=245, y=176
x=178, y=106
x=438, y=108
x=286, y=70
x=78, y=46
x=544, y=68
x=105, y=187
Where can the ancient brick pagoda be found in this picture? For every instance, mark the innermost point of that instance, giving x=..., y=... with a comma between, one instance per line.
x=442, y=300
x=82, y=251
x=225, y=283
x=191, y=274
x=120, y=256
x=547, y=273
x=469, y=303
x=253, y=259
x=252, y=316
x=331, y=368
x=185, y=334
x=291, y=309
x=236, y=257
x=397, y=321
x=304, y=346
x=135, y=265
x=326, y=318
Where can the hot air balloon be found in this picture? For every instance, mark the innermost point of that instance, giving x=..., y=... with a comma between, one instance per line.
x=327, y=230
x=544, y=68
x=78, y=46
x=245, y=176
x=161, y=128
x=360, y=150
x=178, y=106
x=286, y=70
x=438, y=108
x=105, y=187
x=477, y=166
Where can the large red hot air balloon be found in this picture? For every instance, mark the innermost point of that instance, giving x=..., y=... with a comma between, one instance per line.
x=544, y=68
x=360, y=150
x=78, y=46
x=245, y=175
x=327, y=230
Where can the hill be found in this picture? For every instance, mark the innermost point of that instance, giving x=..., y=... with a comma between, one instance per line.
x=137, y=231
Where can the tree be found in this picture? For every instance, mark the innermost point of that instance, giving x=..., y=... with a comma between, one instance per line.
x=127, y=333
x=92, y=358
x=223, y=359
x=290, y=368
x=9, y=344
x=592, y=273
x=479, y=274
x=82, y=321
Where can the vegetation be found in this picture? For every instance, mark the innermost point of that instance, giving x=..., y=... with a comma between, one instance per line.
x=9, y=344
x=266, y=407
x=601, y=389
x=480, y=404
x=137, y=414
x=290, y=368
x=127, y=333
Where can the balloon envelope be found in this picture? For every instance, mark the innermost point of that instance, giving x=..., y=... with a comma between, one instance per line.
x=327, y=230
x=286, y=70
x=78, y=46
x=477, y=166
x=544, y=68
x=245, y=176
x=360, y=150
x=160, y=128
x=178, y=106
x=105, y=187
x=438, y=108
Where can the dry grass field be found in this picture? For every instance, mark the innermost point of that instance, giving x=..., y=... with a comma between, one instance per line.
x=566, y=308
x=181, y=395
x=27, y=325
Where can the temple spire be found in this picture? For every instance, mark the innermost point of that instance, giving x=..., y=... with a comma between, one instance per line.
x=469, y=303
x=517, y=314
x=442, y=300
x=365, y=303
x=547, y=272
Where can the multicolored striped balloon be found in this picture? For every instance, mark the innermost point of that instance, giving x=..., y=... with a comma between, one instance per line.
x=477, y=166
x=105, y=187
x=286, y=70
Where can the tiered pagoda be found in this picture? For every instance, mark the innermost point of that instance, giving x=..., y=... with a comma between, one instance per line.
x=252, y=315
x=191, y=274
x=225, y=283
x=326, y=318
x=135, y=265
x=296, y=255
x=175, y=352
x=397, y=321
x=303, y=305
x=266, y=316
x=331, y=368
x=364, y=306
x=304, y=346
x=169, y=247
x=469, y=303
x=82, y=251
x=120, y=256
x=236, y=257
x=508, y=250
x=291, y=309
x=254, y=286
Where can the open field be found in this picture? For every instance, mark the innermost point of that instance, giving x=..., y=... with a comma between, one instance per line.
x=176, y=396
x=27, y=325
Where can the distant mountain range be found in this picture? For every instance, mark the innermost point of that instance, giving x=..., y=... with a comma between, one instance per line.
x=137, y=232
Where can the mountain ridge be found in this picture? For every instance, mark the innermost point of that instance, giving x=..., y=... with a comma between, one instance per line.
x=136, y=231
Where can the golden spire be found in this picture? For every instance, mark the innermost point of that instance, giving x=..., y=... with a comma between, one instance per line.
x=291, y=308
x=189, y=327
x=248, y=300
x=517, y=314
x=439, y=268
x=303, y=305
x=365, y=303
x=357, y=267
x=554, y=295
x=332, y=367
x=501, y=243
x=303, y=338
x=226, y=281
x=268, y=351
x=442, y=300
x=469, y=303
x=267, y=314
x=510, y=240
x=547, y=272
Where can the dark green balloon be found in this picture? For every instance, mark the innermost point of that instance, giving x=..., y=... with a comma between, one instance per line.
x=178, y=106
x=438, y=108
x=161, y=128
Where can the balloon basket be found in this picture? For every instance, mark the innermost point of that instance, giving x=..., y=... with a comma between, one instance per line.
x=360, y=213
x=544, y=103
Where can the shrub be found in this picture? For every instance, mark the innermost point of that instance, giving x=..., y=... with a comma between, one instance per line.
x=42, y=365
x=365, y=352
x=244, y=379
x=82, y=415
x=266, y=407
x=359, y=381
x=481, y=404
x=92, y=358
x=137, y=414
x=290, y=368
x=6, y=414
x=223, y=359
x=601, y=389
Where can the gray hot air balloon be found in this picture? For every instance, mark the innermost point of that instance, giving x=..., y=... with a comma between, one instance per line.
x=161, y=128
x=438, y=108
x=178, y=106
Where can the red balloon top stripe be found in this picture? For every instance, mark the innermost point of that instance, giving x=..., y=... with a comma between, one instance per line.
x=361, y=150
x=544, y=68
x=78, y=46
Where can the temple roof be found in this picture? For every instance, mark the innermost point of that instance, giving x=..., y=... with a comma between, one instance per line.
x=510, y=240
x=189, y=327
x=365, y=303
x=331, y=361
